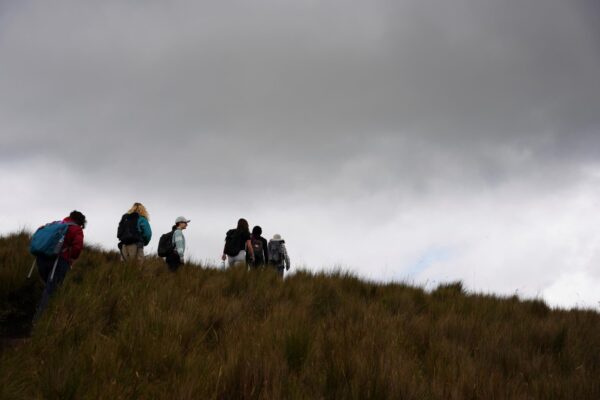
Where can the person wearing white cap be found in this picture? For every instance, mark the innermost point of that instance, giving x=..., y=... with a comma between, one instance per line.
x=175, y=259
x=278, y=256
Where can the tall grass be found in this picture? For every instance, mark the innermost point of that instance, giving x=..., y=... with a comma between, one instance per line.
x=119, y=332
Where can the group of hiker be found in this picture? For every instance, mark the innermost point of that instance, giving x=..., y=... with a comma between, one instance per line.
x=57, y=245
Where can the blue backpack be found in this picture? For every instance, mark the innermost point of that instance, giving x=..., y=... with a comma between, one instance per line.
x=48, y=240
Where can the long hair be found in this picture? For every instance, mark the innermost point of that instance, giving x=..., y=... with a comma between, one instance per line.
x=243, y=225
x=140, y=209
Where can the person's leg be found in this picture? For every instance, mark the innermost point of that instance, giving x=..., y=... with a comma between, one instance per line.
x=235, y=260
x=62, y=267
x=140, y=255
x=280, y=270
x=173, y=262
x=44, y=266
x=240, y=258
x=129, y=251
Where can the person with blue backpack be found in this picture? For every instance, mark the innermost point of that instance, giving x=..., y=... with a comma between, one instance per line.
x=56, y=246
x=134, y=233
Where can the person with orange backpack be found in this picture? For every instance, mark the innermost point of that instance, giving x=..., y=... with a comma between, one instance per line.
x=56, y=246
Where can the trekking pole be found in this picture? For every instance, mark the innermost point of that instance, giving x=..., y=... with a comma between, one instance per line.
x=59, y=246
x=31, y=270
x=54, y=268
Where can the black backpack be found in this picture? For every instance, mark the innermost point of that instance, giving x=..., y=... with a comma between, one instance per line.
x=232, y=243
x=165, y=244
x=128, y=232
x=257, y=247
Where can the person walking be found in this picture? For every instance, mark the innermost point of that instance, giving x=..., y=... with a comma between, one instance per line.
x=134, y=233
x=278, y=256
x=259, y=247
x=53, y=269
x=175, y=258
x=237, y=242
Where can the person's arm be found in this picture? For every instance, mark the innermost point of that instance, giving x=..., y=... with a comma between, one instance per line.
x=179, y=243
x=74, y=242
x=250, y=249
x=145, y=229
x=265, y=250
x=285, y=256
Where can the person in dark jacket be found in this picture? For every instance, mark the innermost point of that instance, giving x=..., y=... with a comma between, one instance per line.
x=259, y=246
x=70, y=251
x=237, y=242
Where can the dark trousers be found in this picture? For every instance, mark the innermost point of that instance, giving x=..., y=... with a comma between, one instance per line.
x=279, y=269
x=258, y=262
x=45, y=265
x=173, y=261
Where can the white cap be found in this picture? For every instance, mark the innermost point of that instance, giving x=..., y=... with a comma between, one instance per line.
x=277, y=237
x=182, y=219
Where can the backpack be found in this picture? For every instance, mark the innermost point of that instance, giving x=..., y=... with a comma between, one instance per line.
x=275, y=256
x=165, y=244
x=232, y=242
x=48, y=240
x=257, y=247
x=128, y=231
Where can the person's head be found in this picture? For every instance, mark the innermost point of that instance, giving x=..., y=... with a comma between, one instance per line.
x=242, y=225
x=277, y=238
x=78, y=218
x=257, y=230
x=140, y=209
x=181, y=222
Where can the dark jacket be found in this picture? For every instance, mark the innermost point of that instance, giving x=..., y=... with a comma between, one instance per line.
x=265, y=250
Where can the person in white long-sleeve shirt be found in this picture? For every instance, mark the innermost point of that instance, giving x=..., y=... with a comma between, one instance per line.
x=175, y=259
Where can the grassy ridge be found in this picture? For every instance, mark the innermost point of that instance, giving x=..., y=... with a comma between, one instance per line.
x=114, y=331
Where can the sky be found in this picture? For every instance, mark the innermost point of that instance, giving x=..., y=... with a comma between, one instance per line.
x=401, y=140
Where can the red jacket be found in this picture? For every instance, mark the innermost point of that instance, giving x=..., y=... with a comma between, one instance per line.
x=73, y=242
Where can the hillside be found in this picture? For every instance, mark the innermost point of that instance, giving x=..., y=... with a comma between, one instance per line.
x=115, y=332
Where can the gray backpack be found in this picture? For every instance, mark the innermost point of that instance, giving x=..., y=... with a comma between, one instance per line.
x=275, y=252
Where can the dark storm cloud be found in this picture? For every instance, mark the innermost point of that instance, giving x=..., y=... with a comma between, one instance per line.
x=307, y=85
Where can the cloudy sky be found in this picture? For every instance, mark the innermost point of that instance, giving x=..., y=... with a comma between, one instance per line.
x=400, y=139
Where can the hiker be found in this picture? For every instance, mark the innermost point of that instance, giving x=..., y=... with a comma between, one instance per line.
x=134, y=233
x=259, y=247
x=237, y=242
x=174, y=259
x=69, y=251
x=278, y=256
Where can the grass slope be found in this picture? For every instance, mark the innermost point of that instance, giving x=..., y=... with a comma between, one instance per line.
x=116, y=332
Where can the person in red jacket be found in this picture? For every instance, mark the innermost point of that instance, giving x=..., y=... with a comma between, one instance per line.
x=71, y=249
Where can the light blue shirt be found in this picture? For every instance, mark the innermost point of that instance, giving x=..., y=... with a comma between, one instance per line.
x=179, y=242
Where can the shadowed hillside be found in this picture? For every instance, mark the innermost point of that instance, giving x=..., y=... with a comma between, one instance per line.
x=116, y=332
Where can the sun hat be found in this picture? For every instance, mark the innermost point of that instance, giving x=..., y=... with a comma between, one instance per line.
x=182, y=219
x=277, y=237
